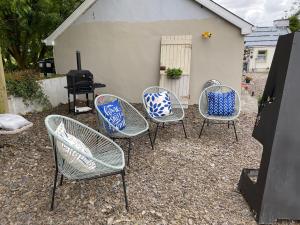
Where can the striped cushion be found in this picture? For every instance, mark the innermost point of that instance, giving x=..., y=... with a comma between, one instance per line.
x=72, y=157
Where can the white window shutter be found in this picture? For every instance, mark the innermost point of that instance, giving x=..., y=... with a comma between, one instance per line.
x=176, y=52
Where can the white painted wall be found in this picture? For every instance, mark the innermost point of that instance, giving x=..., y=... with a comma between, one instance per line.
x=53, y=88
x=119, y=41
x=257, y=66
x=143, y=11
x=17, y=106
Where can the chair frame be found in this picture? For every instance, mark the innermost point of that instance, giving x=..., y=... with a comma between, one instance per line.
x=53, y=139
x=209, y=120
x=124, y=136
x=156, y=120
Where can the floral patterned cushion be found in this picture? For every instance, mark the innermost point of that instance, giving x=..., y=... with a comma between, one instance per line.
x=112, y=111
x=221, y=104
x=158, y=104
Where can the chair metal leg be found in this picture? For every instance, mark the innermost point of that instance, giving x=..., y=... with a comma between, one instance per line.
x=61, y=179
x=202, y=128
x=129, y=148
x=53, y=191
x=124, y=188
x=184, y=128
x=236, y=137
x=228, y=124
x=154, y=139
x=150, y=139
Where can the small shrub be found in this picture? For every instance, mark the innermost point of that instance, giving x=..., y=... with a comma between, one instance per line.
x=174, y=73
x=24, y=84
x=248, y=79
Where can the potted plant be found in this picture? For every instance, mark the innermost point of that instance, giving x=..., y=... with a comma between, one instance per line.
x=174, y=73
x=248, y=79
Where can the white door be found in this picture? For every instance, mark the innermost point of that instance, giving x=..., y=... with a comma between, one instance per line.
x=176, y=52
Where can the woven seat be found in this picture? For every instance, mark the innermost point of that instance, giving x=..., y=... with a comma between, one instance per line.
x=136, y=124
x=176, y=116
x=107, y=156
x=209, y=119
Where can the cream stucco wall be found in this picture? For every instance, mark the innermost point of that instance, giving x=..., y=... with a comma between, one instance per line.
x=126, y=55
x=261, y=66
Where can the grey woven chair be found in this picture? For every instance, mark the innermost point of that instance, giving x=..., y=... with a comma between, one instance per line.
x=209, y=119
x=107, y=157
x=136, y=124
x=177, y=115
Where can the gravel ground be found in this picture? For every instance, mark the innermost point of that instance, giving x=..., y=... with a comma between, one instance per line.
x=259, y=80
x=182, y=181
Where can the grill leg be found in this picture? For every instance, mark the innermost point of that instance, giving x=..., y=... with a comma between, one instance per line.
x=53, y=191
x=129, y=149
x=124, y=188
x=236, y=137
x=61, y=179
x=149, y=134
x=184, y=129
x=93, y=104
x=87, y=99
x=154, y=139
x=202, y=128
x=69, y=102
x=74, y=104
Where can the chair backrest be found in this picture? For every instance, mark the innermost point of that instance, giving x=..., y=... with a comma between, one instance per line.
x=91, y=138
x=176, y=104
x=211, y=83
x=132, y=116
x=203, y=100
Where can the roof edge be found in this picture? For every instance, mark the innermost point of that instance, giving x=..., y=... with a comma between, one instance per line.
x=245, y=26
x=50, y=40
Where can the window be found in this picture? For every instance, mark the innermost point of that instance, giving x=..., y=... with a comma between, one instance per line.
x=261, y=56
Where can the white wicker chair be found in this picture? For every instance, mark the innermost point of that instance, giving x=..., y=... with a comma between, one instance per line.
x=177, y=110
x=136, y=124
x=208, y=119
x=107, y=156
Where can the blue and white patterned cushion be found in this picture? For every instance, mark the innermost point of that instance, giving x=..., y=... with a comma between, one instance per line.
x=221, y=104
x=112, y=111
x=158, y=104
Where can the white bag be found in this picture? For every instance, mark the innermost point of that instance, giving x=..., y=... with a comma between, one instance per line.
x=12, y=122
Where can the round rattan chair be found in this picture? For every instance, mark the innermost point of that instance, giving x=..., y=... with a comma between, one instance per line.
x=209, y=119
x=107, y=157
x=176, y=116
x=136, y=124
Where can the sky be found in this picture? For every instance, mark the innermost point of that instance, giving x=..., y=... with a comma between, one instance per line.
x=258, y=12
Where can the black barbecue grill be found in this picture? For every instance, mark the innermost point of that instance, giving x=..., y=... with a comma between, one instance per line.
x=81, y=82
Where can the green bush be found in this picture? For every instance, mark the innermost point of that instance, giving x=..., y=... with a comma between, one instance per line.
x=174, y=73
x=24, y=84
